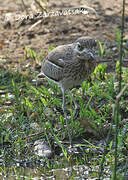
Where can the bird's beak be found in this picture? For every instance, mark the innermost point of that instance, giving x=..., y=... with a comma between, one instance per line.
x=85, y=52
x=92, y=55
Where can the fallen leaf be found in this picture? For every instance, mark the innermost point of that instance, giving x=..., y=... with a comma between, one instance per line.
x=1, y=44
x=1, y=11
x=96, y=109
x=110, y=103
x=86, y=123
x=110, y=36
x=33, y=115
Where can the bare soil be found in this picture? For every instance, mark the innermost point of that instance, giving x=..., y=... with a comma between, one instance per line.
x=99, y=22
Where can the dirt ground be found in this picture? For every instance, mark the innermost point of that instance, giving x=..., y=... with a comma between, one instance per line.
x=98, y=21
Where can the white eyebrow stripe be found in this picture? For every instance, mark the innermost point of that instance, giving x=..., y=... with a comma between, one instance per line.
x=61, y=60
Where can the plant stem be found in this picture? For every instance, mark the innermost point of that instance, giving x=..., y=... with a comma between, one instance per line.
x=117, y=110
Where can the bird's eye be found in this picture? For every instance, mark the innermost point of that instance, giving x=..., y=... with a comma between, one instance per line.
x=79, y=46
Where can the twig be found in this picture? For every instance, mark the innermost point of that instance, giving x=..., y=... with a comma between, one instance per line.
x=40, y=6
x=121, y=92
x=32, y=135
x=34, y=25
x=25, y=7
x=117, y=110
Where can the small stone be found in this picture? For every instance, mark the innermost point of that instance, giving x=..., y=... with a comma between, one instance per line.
x=42, y=149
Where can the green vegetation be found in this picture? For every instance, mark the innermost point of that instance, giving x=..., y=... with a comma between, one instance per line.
x=30, y=110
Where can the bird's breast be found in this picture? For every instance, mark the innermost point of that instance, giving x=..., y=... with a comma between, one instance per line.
x=79, y=71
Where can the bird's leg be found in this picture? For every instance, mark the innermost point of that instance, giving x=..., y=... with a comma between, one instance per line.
x=65, y=116
x=63, y=104
x=77, y=108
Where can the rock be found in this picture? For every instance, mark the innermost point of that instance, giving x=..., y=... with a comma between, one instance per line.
x=42, y=149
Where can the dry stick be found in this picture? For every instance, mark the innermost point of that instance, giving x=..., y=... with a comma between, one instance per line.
x=116, y=107
x=111, y=61
x=40, y=20
x=116, y=118
x=33, y=135
x=41, y=7
x=34, y=25
x=24, y=6
x=120, y=93
x=107, y=141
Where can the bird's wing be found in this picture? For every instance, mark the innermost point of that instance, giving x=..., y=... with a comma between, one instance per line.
x=53, y=65
x=61, y=54
x=52, y=71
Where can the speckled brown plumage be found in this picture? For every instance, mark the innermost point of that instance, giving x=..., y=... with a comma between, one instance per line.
x=69, y=65
x=64, y=67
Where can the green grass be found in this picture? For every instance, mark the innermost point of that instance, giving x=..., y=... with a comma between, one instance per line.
x=28, y=109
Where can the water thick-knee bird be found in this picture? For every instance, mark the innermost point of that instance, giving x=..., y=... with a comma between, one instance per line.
x=69, y=65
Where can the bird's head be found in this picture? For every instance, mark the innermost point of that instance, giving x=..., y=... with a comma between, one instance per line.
x=84, y=48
